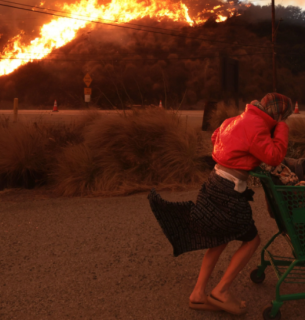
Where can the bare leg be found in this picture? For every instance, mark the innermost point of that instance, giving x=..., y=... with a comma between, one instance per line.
x=238, y=262
x=208, y=263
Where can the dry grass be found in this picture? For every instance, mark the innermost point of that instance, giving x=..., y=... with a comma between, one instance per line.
x=104, y=156
x=28, y=150
x=4, y=121
x=22, y=158
x=296, y=138
x=122, y=155
x=113, y=155
x=223, y=111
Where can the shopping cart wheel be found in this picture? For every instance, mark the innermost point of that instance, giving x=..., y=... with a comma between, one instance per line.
x=266, y=313
x=255, y=278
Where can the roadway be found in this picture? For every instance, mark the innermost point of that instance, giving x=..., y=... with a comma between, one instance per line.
x=194, y=117
x=108, y=259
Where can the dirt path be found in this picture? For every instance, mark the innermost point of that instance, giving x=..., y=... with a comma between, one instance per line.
x=80, y=258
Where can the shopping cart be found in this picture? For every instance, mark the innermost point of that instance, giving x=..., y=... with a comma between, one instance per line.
x=287, y=205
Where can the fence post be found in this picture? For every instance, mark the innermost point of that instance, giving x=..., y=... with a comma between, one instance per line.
x=15, y=109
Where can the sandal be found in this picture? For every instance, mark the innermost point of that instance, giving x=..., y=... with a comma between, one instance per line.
x=232, y=306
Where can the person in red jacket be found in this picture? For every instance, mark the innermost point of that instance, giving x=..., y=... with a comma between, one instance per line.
x=222, y=212
x=240, y=144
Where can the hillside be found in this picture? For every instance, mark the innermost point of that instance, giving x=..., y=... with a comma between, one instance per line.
x=140, y=67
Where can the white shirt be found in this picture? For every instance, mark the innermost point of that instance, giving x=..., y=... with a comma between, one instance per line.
x=240, y=185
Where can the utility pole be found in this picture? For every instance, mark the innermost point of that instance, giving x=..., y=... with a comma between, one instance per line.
x=273, y=46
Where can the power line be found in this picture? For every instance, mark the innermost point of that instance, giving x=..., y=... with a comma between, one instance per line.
x=124, y=54
x=156, y=58
x=150, y=59
x=86, y=16
x=19, y=19
x=125, y=27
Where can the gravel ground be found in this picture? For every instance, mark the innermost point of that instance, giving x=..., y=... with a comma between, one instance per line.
x=107, y=258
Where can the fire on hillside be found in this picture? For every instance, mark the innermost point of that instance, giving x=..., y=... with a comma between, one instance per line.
x=62, y=30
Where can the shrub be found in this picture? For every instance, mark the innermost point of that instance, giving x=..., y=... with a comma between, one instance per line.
x=22, y=157
x=296, y=138
x=104, y=155
x=222, y=112
x=122, y=155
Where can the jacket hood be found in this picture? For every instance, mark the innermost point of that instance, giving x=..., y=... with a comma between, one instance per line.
x=275, y=105
x=271, y=123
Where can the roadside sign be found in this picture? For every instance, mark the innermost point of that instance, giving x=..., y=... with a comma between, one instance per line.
x=87, y=98
x=88, y=91
x=87, y=79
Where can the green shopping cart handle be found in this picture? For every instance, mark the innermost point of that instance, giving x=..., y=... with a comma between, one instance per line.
x=260, y=173
x=266, y=176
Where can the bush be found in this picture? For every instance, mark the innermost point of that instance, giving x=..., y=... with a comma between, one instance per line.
x=296, y=138
x=29, y=150
x=104, y=156
x=222, y=112
x=122, y=155
x=22, y=156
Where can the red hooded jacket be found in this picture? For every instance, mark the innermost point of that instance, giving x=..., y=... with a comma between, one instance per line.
x=244, y=142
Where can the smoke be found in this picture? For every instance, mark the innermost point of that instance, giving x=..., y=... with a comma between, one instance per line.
x=290, y=14
x=298, y=3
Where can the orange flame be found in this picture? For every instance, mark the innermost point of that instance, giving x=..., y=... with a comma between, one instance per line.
x=62, y=30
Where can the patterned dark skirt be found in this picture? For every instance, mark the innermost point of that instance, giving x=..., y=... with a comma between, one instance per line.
x=220, y=215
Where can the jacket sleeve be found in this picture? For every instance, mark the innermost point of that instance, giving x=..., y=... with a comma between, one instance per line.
x=214, y=135
x=268, y=150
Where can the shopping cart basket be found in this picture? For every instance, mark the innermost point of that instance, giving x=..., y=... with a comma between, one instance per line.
x=287, y=204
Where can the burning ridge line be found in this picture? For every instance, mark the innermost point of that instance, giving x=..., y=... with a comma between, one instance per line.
x=66, y=34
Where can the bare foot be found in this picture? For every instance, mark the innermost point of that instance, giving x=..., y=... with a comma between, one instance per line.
x=226, y=296
x=221, y=296
x=231, y=305
x=198, y=298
